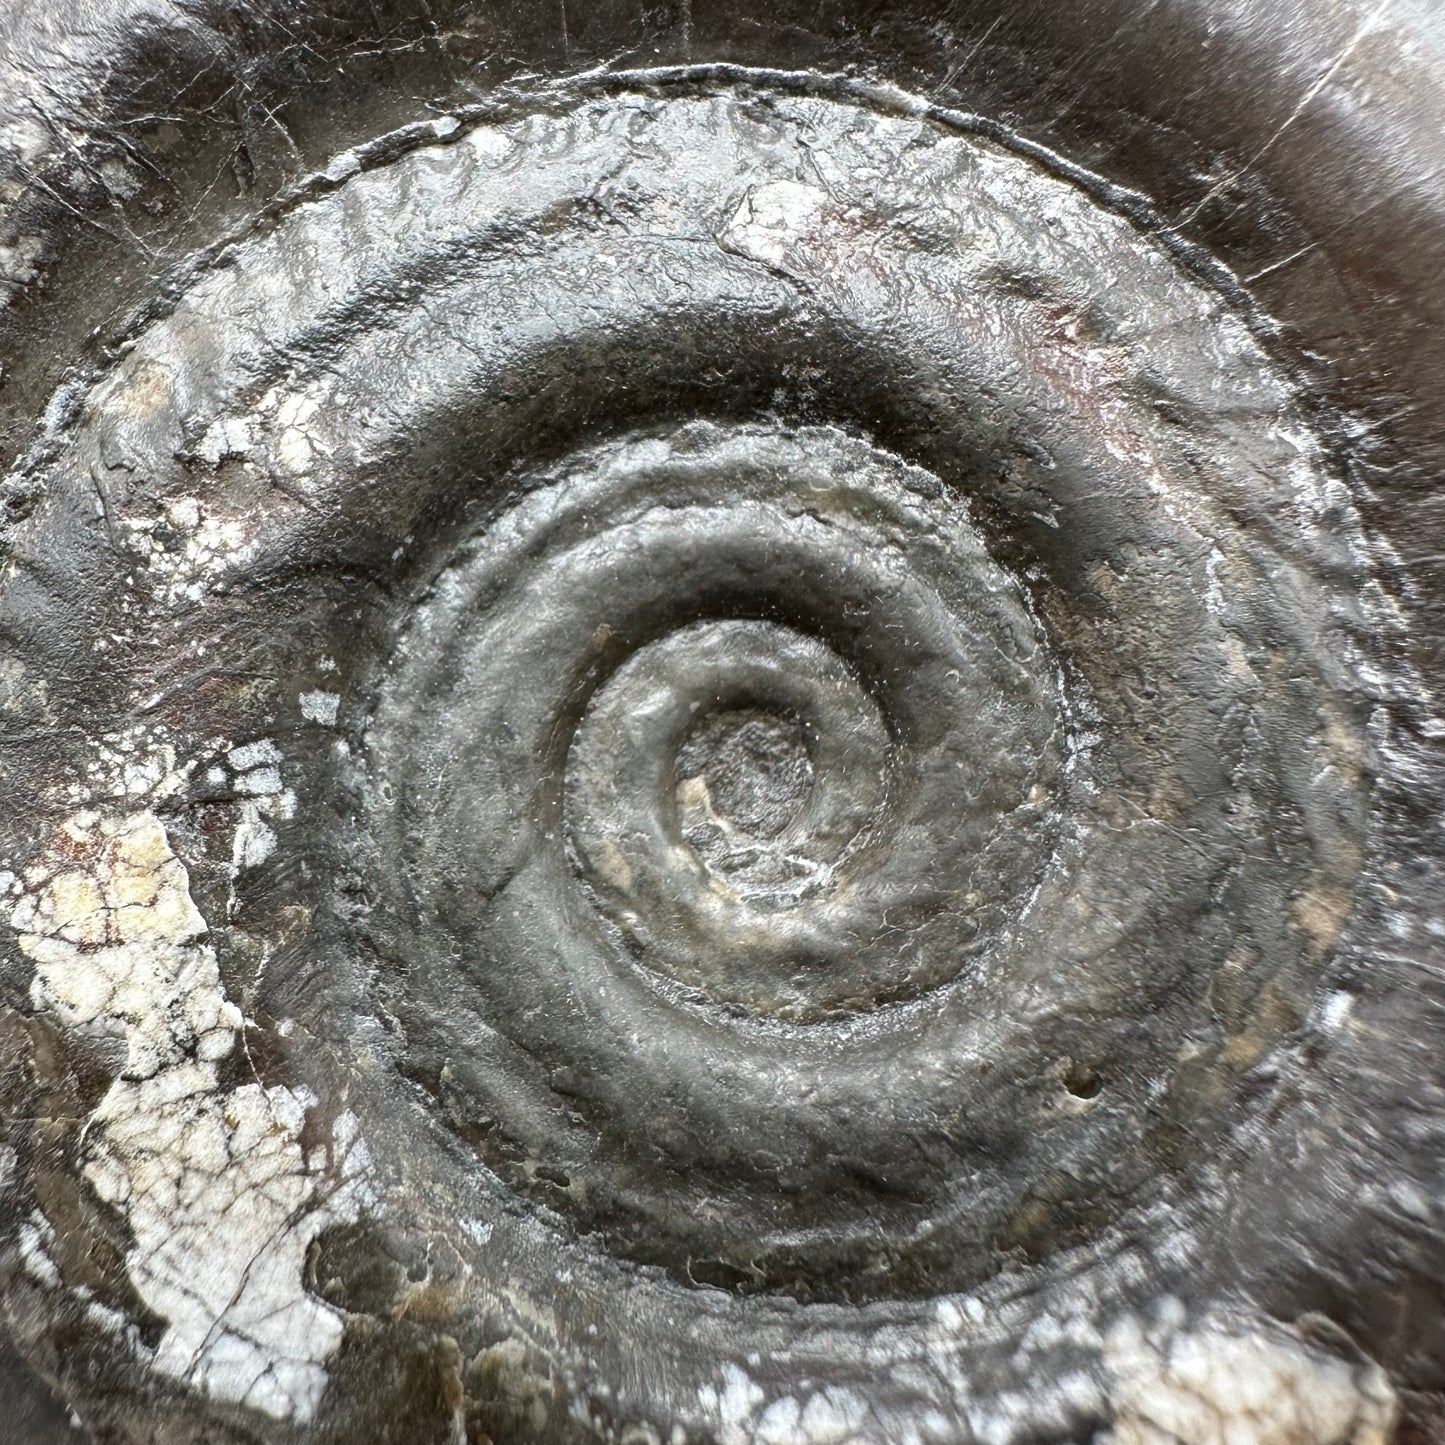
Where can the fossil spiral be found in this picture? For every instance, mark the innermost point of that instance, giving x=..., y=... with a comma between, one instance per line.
x=717, y=773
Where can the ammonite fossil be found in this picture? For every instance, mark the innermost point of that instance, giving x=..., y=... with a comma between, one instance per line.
x=719, y=724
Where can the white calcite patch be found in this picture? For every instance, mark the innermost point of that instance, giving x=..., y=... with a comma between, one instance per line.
x=186, y=550
x=294, y=442
x=226, y=438
x=134, y=764
x=1213, y=1387
x=220, y=1198
x=743, y=1414
x=774, y=218
x=1160, y=1382
x=320, y=707
x=827, y=1417
x=19, y=265
x=255, y=770
x=734, y=1404
x=35, y=1238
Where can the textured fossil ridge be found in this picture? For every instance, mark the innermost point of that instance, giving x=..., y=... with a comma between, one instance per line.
x=695, y=754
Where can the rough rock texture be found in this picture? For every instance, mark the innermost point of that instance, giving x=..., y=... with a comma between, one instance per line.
x=718, y=723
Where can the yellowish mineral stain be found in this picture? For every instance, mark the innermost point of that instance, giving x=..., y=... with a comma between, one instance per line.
x=221, y=1200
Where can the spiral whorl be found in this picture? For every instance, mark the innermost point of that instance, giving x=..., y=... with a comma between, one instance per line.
x=832, y=701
